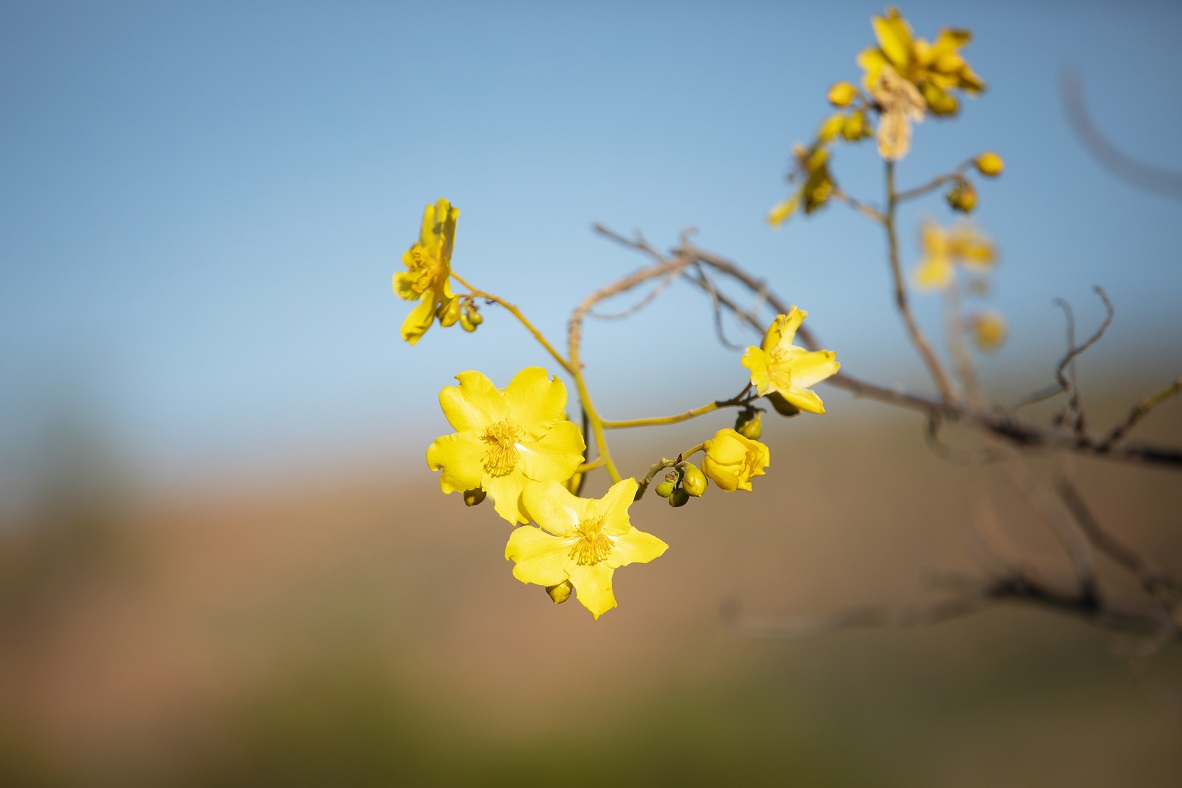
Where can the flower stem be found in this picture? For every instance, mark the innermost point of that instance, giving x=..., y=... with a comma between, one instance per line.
x=513, y=310
x=901, y=300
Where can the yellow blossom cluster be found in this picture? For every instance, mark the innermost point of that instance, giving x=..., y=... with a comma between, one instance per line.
x=516, y=445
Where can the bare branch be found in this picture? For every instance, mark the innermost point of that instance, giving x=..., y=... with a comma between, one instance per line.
x=1148, y=177
x=1140, y=411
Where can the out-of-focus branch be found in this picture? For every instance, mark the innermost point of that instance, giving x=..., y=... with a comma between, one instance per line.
x=1019, y=587
x=1148, y=177
x=1016, y=432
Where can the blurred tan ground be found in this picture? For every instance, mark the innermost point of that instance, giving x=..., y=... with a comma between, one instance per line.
x=366, y=629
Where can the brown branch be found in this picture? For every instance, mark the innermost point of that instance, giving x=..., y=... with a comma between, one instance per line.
x=1140, y=411
x=1000, y=423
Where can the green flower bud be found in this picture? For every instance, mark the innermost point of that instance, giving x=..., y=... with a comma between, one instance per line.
x=962, y=196
x=749, y=424
x=561, y=592
x=679, y=497
x=474, y=497
x=665, y=489
x=693, y=481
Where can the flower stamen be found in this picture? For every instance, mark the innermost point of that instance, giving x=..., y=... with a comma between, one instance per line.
x=502, y=457
x=591, y=544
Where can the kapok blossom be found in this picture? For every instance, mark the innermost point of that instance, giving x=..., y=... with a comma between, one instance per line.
x=505, y=438
x=779, y=366
x=934, y=68
x=428, y=278
x=812, y=168
x=943, y=250
x=580, y=541
x=732, y=460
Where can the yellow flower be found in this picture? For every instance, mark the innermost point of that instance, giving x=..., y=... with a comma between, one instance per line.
x=988, y=330
x=732, y=461
x=506, y=438
x=429, y=270
x=581, y=540
x=812, y=166
x=934, y=68
x=780, y=366
x=944, y=249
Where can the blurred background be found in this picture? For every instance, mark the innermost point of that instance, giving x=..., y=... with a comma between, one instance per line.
x=222, y=557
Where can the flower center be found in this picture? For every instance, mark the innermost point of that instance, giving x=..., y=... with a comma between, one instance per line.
x=426, y=269
x=591, y=544
x=501, y=458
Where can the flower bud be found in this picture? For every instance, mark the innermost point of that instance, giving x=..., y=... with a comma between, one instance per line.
x=749, y=424
x=830, y=128
x=855, y=127
x=450, y=314
x=693, y=481
x=665, y=489
x=561, y=592
x=841, y=94
x=989, y=164
x=466, y=322
x=679, y=497
x=962, y=196
x=474, y=497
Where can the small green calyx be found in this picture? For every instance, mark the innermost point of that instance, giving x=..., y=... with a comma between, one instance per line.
x=474, y=497
x=665, y=489
x=679, y=497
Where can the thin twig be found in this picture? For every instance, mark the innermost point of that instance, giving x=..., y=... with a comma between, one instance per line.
x=1140, y=411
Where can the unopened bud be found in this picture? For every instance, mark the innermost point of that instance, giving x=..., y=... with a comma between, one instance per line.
x=665, y=489
x=841, y=94
x=474, y=497
x=989, y=164
x=449, y=315
x=693, y=481
x=561, y=592
x=855, y=127
x=466, y=323
x=749, y=424
x=962, y=196
x=679, y=497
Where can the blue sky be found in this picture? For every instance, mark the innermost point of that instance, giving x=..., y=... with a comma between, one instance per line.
x=204, y=202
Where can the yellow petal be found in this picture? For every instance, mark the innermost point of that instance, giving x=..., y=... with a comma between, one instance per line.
x=756, y=360
x=872, y=61
x=593, y=587
x=554, y=456
x=474, y=404
x=461, y=458
x=540, y=557
x=803, y=399
x=894, y=37
x=553, y=507
x=933, y=273
x=614, y=507
x=635, y=547
x=535, y=401
x=506, y=492
x=810, y=368
x=419, y=320
x=780, y=213
x=404, y=285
